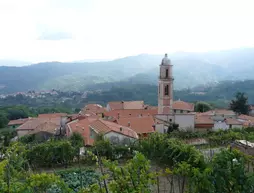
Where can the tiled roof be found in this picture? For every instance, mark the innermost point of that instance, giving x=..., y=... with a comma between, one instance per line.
x=246, y=118
x=126, y=105
x=102, y=126
x=93, y=109
x=52, y=115
x=18, y=121
x=231, y=121
x=49, y=127
x=219, y=112
x=131, y=113
x=82, y=127
x=181, y=105
x=138, y=124
x=203, y=119
x=33, y=123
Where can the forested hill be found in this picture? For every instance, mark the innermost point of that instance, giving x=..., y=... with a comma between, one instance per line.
x=190, y=70
x=219, y=95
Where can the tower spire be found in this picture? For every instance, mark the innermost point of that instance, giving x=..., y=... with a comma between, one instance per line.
x=165, y=90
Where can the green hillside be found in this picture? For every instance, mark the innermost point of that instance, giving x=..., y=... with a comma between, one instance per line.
x=190, y=70
x=218, y=95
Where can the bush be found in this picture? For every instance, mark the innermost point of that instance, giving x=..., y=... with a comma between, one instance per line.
x=77, y=179
x=50, y=153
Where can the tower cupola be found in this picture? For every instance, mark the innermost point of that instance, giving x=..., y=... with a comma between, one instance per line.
x=165, y=60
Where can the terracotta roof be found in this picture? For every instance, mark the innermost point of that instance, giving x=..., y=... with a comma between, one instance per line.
x=181, y=105
x=18, y=121
x=131, y=113
x=231, y=121
x=93, y=109
x=49, y=127
x=82, y=127
x=52, y=115
x=246, y=118
x=138, y=124
x=203, y=119
x=104, y=127
x=33, y=123
x=219, y=112
x=126, y=105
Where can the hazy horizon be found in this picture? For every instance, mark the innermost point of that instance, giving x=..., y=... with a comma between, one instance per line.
x=73, y=30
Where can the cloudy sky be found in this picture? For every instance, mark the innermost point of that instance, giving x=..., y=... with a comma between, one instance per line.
x=67, y=30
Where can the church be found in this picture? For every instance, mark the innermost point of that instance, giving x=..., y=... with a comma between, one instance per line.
x=170, y=112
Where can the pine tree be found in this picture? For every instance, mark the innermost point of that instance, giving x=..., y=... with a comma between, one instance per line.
x=240, y=104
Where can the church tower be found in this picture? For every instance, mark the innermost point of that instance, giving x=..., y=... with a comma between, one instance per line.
x=165, y=87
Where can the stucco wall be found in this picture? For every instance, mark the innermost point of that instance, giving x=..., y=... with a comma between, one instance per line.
x=252, y=113
x=118, y=138
x=22, y=132
x=185, y=121
x=220, y=125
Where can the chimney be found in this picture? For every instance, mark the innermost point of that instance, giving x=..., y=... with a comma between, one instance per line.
x=129, y=124
x=118, y=115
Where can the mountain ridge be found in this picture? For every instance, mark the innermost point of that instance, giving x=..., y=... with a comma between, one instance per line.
x=190, y=70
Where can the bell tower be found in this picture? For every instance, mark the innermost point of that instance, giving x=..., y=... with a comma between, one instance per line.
x=165, y=87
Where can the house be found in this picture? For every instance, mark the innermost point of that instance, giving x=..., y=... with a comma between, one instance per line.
x=81, y=126
x=182, y=107
x=45, y=131
x=117, y=134
x=93, y=109
x=248, y=121
x=90, y=128
x=143, y=126
x=16, y=123
x=221, y=114
x=124, y=113
x=120, y=105
x=203, y=122
x=210, y=121
x=227, y=123
x=35, y=124
x=251, y=113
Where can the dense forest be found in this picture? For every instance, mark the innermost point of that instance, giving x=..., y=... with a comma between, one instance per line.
x=218, y=95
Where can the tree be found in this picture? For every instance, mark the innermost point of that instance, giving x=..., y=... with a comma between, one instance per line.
x=3, y=120
x=172, y=127
x=202, y=107
x=240, y=104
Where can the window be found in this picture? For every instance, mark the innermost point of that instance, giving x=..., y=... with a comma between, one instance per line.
x=91, y=134
x=166, y=73
x=174, y=111
x=181, y=111
x=170, y=120
x=166, y=90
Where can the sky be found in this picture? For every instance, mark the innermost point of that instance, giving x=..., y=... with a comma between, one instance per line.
x=71, y=30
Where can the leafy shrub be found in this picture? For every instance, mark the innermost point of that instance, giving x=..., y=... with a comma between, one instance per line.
x=77, y=179
x=51, y=152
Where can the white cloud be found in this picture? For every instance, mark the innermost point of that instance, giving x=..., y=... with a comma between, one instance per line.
x=115, y=28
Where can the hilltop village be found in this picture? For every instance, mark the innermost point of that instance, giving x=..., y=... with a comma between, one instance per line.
x=128, y=120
